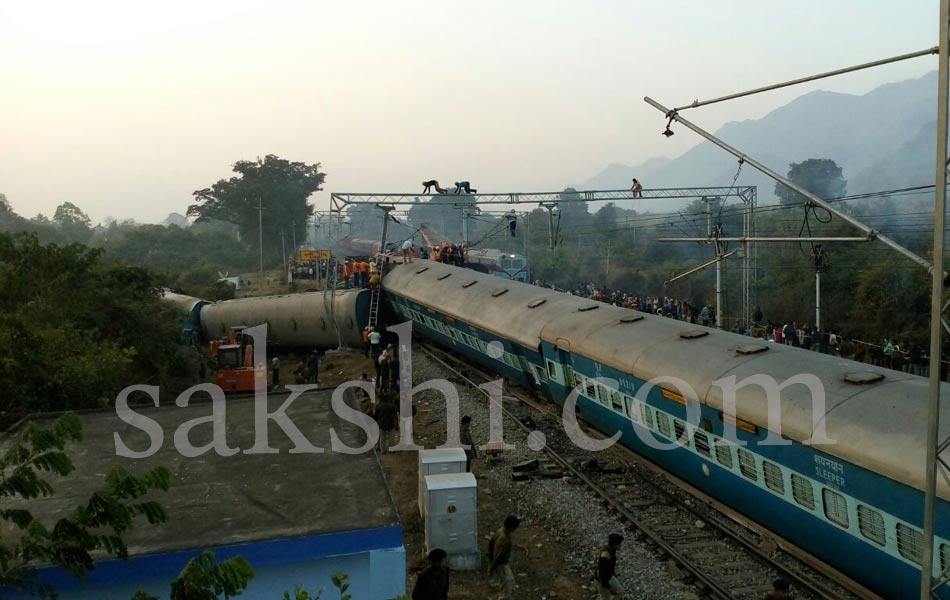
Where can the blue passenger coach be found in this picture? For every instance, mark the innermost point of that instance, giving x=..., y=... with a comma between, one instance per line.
x=855, y=503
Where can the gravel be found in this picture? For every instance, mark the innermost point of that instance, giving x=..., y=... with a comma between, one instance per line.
x=563, y=507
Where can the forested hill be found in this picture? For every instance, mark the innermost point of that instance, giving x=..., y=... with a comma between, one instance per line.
x=882, y=140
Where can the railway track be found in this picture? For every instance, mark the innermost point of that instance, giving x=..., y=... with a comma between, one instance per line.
x=712, y=547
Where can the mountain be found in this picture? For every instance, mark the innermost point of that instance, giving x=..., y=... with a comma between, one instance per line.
x=879, y=139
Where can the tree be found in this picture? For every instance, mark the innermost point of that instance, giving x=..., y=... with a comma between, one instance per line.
x=74, y=224
x=820, y=176
x=97, y=524
x=282, y=188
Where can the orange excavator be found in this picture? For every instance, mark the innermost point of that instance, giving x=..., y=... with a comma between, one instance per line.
x=233, y=357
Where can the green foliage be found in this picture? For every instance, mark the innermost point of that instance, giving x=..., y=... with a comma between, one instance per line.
x=820, y=176
x=82, y=330
x=341, y=582
x=96, y=525
x=301, y=594
x=203, y=579
x=282, y=188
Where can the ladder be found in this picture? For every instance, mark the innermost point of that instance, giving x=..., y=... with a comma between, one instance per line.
x=374, y=300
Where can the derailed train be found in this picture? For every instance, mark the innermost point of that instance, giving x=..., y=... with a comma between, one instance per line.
x=307, y=320
x=855, y=503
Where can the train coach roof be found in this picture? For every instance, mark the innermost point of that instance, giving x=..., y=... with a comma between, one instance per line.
x=878, y=425
x=183, y=302
x=497, y=305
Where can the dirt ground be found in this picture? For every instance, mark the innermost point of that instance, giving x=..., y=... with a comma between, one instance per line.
x=536, y=561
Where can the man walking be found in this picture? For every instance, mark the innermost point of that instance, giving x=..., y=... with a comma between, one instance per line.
x=407, y=251
x=499, y=554
x=433, y=582
x=605, y=577
x=465, y=436
x=387, y=417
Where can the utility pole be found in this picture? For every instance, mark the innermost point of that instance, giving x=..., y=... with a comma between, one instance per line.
x=718, y=247
x=607, y=267
x=293, y=232
x=260, y=234
x=386, y=210
x=550, y=206
x=819, y=259
x=283, y=247
x=934, y=445
x=465, y=226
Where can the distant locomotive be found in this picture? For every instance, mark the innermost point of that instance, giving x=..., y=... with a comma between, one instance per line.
x=856, y=504
x=499, y=263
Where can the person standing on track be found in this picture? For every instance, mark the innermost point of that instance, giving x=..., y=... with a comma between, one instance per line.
x=605, y=576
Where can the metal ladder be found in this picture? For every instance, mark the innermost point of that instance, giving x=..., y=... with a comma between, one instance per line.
x=374, y=300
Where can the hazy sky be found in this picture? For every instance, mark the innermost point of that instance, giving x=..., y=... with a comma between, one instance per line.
x=125, y=108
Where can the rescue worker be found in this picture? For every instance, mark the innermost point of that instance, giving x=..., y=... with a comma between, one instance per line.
x=433, y=582
x=464, y=185
x=512, y=218
x=465, y=436
x=605, y=577
x=300, y=373
x=364, y=402
x=375, y=345
x=499, y=555
x=347, y=271
x=636, y=188
x=366, y=341
x=313, y=367
x=781, y=590
x=407, y=251
x=393, y=367
x=387, y=418
x=432, y=183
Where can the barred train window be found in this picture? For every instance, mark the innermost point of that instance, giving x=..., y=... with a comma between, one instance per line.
x=552, y=369
x=910, y=542
x=702, y=443
x=679, y=428
x=836, y=507
x=617, y=401
x=591, y=390
x=724, y=455
x=747, y=464
x=647, y=413
x=569, y=376
x=944, y=557
x=803, y=492
x=663, y=424
x=631, y=408
x=772, y=474
x=578, y=379
x=871, y=524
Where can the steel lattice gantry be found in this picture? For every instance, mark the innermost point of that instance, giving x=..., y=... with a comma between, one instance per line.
x=745, y=194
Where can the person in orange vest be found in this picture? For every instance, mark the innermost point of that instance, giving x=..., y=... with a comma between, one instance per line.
x=346, y=272
x=357, y=274
x=364, y=270
x=436, y=253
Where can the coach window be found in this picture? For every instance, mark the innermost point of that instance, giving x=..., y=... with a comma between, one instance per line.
x=871, y=525
x=552, y=369
x=724, y=455
x=663, y=424
x=679, y=429
x=617, y=401
x=647, y=414
x=910, y=542
x=802, y=492
x=772, y=474
x=747, y=464
x=590, y=389
x=569, y=376
x=836, y=507
x=702, y=443
x=944, y=557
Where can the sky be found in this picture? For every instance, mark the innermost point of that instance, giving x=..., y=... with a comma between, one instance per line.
x=125, y=108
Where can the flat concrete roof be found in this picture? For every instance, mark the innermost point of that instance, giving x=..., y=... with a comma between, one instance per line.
x=217, y=500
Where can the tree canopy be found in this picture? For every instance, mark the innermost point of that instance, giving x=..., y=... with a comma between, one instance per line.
x=77, y=330
x=820, y=176
x=282, y=187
